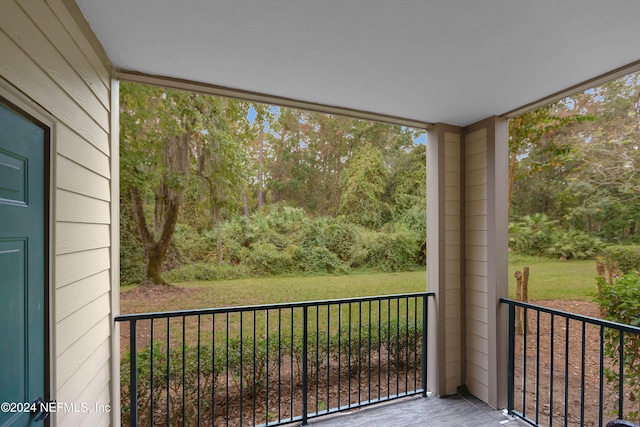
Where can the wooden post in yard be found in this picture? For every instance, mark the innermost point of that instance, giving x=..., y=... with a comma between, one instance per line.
x=525, y=294
x=519, y=328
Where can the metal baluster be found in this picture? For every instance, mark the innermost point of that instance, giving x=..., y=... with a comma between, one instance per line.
x=582, y=370
x=566, y=372
x=168, y=416
x=524, y=361
x=266, y=394
x=511, y=361
x=254, y=368
x=551, y=386
x=305, y=336
x=621, y=378
x=198, y=373
x=133, y=372
x=151, y=382
x=425, y=317
x=184, y=391
x=537, y=366
x=601, y=384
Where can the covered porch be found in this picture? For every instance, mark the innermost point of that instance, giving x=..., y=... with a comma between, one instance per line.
x=457, y=69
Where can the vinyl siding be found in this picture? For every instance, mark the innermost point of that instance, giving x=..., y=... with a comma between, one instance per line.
x=452, y=248
x=46, y=57
x=477, y=345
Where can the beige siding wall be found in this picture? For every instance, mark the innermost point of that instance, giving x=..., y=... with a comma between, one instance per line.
x=445, y=261
x=477, y=347
x=48, y=61
x=452, y=230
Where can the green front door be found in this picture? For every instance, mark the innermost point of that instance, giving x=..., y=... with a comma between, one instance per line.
x=23, y=309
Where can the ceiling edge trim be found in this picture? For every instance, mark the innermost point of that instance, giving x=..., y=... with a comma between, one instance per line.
x=210, y=89
x=76, y=14
x=587, y=84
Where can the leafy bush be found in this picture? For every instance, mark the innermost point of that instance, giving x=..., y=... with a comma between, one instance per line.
x=202, y=368
x=392, y=249
x=207, y=271
x=335, y=234
x=350, y=346
x=620, y=302
x=320, y=260
x=192, y=245
x=537, y=235
x=248, y=364
x=533, y=235
x=574, y=244
x=416, y=220
x=627, y=257
x=265, y=259
x=403, y=339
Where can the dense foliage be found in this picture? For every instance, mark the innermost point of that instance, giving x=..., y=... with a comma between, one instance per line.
x=538, y=235
x=626, y=258
x=620, y=302
x=263, y=190
x=577, y=162
x=255, y=189
x=281, y=239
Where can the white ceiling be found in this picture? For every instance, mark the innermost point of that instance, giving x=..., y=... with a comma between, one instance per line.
x=452, y=61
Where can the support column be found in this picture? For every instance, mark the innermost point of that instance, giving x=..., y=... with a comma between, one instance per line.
x=445, y=253
x=467, y=248
x=486, y=252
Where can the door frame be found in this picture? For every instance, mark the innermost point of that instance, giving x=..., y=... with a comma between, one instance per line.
x=22, y=104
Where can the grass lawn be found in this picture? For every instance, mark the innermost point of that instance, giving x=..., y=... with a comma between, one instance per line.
x=551, y=279
x=272, y=290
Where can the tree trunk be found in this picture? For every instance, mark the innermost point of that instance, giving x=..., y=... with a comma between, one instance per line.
x=155, y=251
x=245, y=204
x=260, y=171
x=219, y=235
x=513, y=162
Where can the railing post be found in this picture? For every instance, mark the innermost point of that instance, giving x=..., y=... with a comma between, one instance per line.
x=425, y=312
x=305, y=385
x=511, y=367
x=133, y=374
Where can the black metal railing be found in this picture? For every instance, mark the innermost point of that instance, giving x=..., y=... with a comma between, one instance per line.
x=566, y=368
x=271, y=364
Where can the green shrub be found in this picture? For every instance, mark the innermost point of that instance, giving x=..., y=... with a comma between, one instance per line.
x=248, y=364
x=320, y=260
x=393, y=249
x=574, y=244
x=403, y=339
x=533, y=235
x=265, y=259
x=350, y=345
x=201, y=373
x=620, y=302
x=207, y=271
x=192, y=245
x=416, y=220
x=537, y=235
x=627, y=257
x=335, y=234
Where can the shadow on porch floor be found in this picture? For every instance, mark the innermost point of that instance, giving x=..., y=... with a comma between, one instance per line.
x=460, y=410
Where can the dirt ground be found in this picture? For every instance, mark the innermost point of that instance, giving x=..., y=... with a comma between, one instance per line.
x=568, y=350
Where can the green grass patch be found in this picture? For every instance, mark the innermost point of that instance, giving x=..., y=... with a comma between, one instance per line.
x=273, y=290
x=555, y=280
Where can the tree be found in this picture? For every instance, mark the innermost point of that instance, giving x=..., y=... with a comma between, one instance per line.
x=363, y=185
x=221, y=158
x=607, y=179
x=156, y=132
